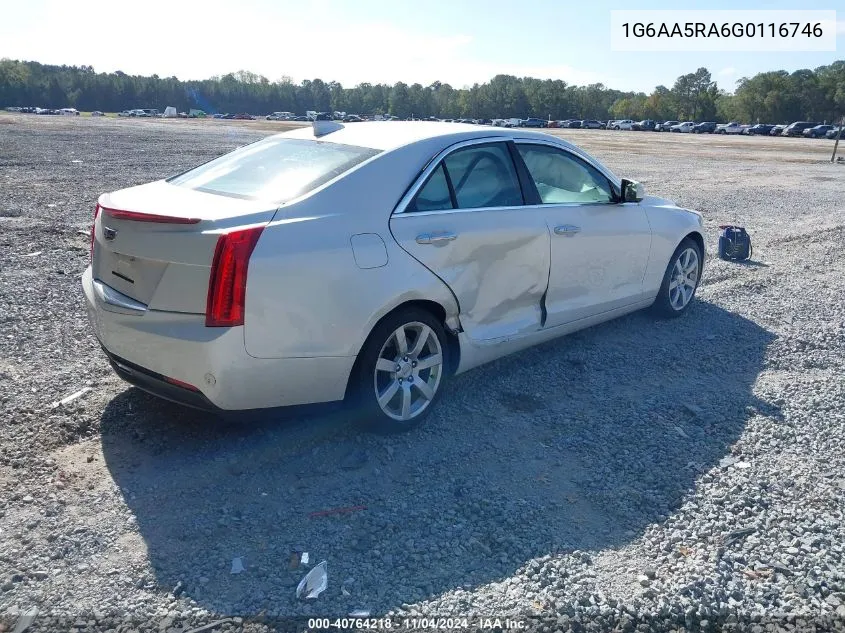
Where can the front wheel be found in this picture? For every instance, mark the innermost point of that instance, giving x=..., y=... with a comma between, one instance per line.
x=680, y=281
x=400, y=371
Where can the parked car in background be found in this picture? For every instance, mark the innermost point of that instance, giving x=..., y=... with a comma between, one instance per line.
x=777, y=130
x=352, y=118
x=532, y=122
x=818, y=131
x=832, y=134
x=575, y=124
x=759, y=129
x=542, y=247
x=705, y=127
x=97, y=113
x=734, y=127
x=684, y=127
x=554, y=124
x=591, y=124
x=797, y=128
x=69, y=111
x=280, y=116
x=646, y=125
x=624, y=124
x=665, y=126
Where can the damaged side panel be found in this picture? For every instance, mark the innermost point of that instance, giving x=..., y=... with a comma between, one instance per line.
x=495, y=261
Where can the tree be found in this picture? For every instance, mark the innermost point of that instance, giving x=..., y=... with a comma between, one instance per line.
x=399, y=101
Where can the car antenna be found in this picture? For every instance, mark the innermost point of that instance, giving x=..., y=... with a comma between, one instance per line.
x=323, y=125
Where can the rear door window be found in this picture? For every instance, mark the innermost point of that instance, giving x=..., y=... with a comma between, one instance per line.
x=483, y=176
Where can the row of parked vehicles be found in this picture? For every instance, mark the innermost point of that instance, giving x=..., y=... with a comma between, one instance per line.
x=807, y=129
x=34, y=110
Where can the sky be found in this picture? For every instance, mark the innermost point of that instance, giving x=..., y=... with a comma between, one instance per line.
x=460, y=42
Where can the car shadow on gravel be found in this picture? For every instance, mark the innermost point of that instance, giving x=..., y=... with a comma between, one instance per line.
x=578, y=444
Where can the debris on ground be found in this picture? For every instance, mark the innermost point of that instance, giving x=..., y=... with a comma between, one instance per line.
x=736, y=535
x=238, y=565
x=71, y=397
x=25, y=620
x=313, y=583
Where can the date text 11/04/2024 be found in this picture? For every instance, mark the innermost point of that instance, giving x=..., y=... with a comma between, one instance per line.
x=737, y=29
x=418, y=624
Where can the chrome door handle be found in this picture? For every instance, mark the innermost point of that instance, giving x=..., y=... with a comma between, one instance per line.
x=436, y=238
x=567, y=229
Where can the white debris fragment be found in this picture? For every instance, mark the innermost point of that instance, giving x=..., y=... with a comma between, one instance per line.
x=314, y=583
x=304, y=558
x=25, y=620
x=238, y=565
x=35, y=254
x=71, y=397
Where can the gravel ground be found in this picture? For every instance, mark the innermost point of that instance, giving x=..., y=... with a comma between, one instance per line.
x=639, y=475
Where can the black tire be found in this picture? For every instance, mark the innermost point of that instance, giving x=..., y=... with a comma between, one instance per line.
x=363, y=382
x=663, y=306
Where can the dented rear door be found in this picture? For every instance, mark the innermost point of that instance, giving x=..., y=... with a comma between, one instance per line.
x=469, y=225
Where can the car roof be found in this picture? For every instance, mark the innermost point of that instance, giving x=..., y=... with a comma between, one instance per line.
x=388, y=135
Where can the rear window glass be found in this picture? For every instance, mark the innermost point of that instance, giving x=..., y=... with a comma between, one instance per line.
x=274, y=169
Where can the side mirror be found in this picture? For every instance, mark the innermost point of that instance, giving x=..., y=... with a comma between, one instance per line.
x=632, y=191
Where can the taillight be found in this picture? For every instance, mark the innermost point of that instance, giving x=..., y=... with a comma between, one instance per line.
x=227, y=285
x=135, y=216
x=93, y=229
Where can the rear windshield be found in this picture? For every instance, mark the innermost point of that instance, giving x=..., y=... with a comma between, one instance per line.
x=274, y=169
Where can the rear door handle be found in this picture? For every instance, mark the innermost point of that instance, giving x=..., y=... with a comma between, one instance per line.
x=440, y=237
x=567, y=229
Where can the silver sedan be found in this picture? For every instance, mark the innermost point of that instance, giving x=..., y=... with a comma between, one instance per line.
x=372, y=262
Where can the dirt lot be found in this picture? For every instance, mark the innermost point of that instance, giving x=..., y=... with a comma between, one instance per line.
x=641, y=475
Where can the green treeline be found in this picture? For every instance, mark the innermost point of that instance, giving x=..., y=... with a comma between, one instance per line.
x=769, y=97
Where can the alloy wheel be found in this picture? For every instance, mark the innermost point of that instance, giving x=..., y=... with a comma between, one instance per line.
x=408, y=371
x=684, y=279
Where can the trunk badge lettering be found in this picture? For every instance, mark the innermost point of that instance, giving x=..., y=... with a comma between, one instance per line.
x=109, y=233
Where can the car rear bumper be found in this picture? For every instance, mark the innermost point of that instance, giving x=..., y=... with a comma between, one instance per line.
x=147, y=347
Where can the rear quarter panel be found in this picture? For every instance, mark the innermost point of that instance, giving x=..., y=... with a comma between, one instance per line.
x=306, y=295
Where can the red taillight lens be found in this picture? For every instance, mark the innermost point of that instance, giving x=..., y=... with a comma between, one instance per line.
x=135, y=216
x=227, y=286
x=93, y=229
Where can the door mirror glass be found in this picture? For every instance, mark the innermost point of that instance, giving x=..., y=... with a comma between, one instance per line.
x=632, y=191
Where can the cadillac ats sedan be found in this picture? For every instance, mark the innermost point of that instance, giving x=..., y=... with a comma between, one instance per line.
x=372, y=262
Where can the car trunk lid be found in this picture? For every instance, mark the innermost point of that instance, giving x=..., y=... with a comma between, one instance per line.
x=154, y=243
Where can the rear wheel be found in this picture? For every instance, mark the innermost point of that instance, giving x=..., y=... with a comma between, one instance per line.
x=680, y=281
x=400, y=371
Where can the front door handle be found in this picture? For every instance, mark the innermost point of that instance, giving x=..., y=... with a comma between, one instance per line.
x=567, y=229
x=439, y=237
